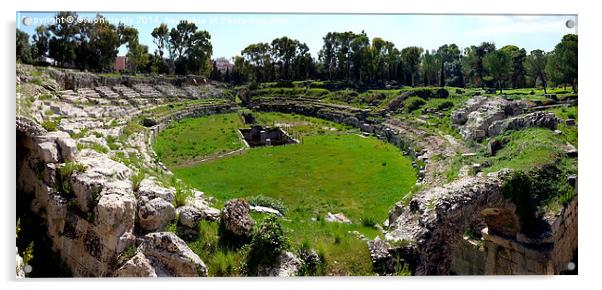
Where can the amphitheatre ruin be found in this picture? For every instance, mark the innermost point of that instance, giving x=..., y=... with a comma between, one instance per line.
x=339, y=173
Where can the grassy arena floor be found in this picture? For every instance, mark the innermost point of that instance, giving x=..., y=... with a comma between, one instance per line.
x=332, y=170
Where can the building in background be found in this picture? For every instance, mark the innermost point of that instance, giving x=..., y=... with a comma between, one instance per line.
x=223, y=64
x=120, y=63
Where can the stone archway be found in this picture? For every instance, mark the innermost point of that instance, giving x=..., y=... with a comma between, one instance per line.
x=433, y=222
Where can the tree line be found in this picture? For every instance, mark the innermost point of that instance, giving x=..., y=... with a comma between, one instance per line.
x=344, y=56
x=94, y=45
x=351, y=57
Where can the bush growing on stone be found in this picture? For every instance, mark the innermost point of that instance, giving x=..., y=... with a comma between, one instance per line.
x=267, y=244
x=50, y=125
x=519, y=189
x=137, y=179
x=313, y=263
x=182, y=194
x=266, y=201
x=413, y=103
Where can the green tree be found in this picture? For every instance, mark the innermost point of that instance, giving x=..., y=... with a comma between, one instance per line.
x=410, y=57
x=536, y=67
x=499, y=65
x=23, y=48
x=63, y=44
x=258, y=62
x=160, y=36
x=283, y=52
x=449, y=58
x=104, y=41
x=138, y=57
x=563, y=61
x=430, y=68
x=199, y=53
x=40, y=42
x=518, y=55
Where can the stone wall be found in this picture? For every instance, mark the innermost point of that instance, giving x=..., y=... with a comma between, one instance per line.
x=524, y=256
x=433, y=222
x=90, y=225
x=72, y=79
x=469, y=258
x=337, y=113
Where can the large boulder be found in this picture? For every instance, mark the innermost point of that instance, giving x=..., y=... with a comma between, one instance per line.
x=382, y=261
x=154, y=214
x=536, y=119
x=189, y=216
x=235, y=218
x=478, y=113
x=151, y=189
x=140, y=266
x=163, y=255
x=460, y=116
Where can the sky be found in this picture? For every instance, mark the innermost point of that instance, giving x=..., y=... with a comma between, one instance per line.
x=231, y=33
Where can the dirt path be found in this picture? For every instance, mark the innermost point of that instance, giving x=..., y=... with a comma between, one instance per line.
x=440, y=150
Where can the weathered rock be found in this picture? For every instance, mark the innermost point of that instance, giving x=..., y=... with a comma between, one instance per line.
x=570, y=122
x=48, y=152
x=189, y=216
x=494, y=145
x=478, y=113
x=434, y=220
x=460, y=116
x=20, y=272
x=337, y=218
x=382, y=261
x=28, y=127
x=536, y=119
x=155, y=213
x=68, y=148
x=163, y=254
x=265, y=209
x=140, y=266
x=236, y=219
x=286, y=265
x=150, y=189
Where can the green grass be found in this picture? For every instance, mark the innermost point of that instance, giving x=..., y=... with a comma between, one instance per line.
x=330, y=171
x=569, y=133
x=199, y=137
x=336, y=173
x=524, y=150
x=187, y=141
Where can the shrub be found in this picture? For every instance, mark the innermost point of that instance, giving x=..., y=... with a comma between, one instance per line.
x=313, y=264
x=267, y=244
x=368, y=222
x=445, y=105
x=519, y=189
x=128, y=253
x=137, y=179
x=262, y=200
x=71, y=167
x=413, y=103
x=182, y=194
x=51, y=125
x=224, y=264
x=63, y=186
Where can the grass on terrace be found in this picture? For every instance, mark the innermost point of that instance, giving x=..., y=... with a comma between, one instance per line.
x=330, y=171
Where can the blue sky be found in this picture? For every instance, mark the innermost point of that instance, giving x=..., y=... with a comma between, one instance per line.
x=230, y=33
